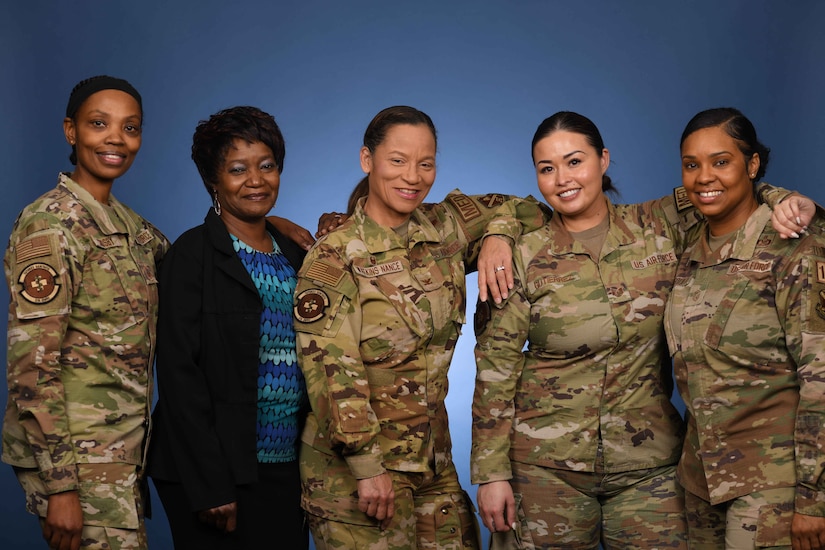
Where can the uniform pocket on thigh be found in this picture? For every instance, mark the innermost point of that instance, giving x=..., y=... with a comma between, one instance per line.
x=773, y=528
x=517, y=539
x=109, y=505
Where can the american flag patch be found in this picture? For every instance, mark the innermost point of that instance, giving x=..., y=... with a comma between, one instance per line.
x=33, y=248
x=324, y=273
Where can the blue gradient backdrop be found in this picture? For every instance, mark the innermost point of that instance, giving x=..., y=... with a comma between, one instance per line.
x=487, y=72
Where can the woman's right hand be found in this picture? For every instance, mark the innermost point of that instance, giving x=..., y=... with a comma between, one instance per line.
x=64, y=521
x=376, y=498
x=495, y=268
x=224, y=517
x=791, y=217
x=329, y=221
x=496, y=505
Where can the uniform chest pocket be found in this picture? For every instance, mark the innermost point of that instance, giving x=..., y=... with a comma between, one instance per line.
x=108, y=273
x=723, y=313
x=446, y=287
x=743, y=317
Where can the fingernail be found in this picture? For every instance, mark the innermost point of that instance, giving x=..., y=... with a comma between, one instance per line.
x=794, y=234
x=513, y=526
x=798, y=221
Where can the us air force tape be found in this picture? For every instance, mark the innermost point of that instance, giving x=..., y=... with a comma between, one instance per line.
x=310, y=305
x=38, y=283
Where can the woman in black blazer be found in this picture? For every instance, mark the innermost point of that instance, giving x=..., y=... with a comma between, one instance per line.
x=231, y=396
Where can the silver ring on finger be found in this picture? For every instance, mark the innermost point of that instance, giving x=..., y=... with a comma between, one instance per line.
x=499, y=268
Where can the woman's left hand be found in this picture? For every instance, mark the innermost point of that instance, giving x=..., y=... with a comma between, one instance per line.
x=293, y=231
x=223, y=518
x=495, y=268
x=792, y=216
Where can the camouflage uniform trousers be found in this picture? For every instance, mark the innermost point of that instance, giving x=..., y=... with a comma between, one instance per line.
x=431, y=511
x=573, y=510
x=757, y=520
x=110, y=522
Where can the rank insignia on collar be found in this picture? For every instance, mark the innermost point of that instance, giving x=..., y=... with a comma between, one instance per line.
x=310, y=305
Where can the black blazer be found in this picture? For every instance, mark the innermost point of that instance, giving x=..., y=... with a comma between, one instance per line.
x=204, y=433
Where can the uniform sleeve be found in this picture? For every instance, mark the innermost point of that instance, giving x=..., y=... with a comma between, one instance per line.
x=772, y=196
x=680, y=217
x=479, y=216
x=43, y=268
x=501, y=332
x=328, y=331
x=801, y=297
x=518, y=216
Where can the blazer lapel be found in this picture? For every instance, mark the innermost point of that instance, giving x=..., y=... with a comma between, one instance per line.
x=225, y=258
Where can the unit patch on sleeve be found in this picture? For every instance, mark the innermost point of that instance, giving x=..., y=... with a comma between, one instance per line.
x=38, y=283
x=310, y=305
x=492, y=200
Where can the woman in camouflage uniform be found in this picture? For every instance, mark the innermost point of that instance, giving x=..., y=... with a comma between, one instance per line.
x=746, y=326
x=81, y=273
x=378, y=308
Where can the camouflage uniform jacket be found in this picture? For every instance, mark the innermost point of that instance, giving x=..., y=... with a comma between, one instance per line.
x=81, y=338
x=596, y=371
x=746, y=325
x=377, y=318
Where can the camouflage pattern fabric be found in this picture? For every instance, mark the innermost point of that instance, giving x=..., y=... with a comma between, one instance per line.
x=80, y=346
x=377, y=316
x=434, y=507
x=746, y=325
x=560, y=509
x=757, y=520
x=112, y=508
x=596, y=367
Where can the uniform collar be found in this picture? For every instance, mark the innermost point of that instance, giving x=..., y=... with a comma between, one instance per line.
x=100, y=213
x=382, y=239
x=562, y=242
x=742, y=244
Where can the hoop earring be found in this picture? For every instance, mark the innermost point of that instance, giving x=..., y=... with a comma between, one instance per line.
x=216, y=204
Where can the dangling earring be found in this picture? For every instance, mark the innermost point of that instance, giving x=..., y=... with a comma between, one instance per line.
x=216, y=204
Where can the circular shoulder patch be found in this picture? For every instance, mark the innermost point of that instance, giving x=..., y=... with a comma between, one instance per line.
x=38, y=283
x=310, y=305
